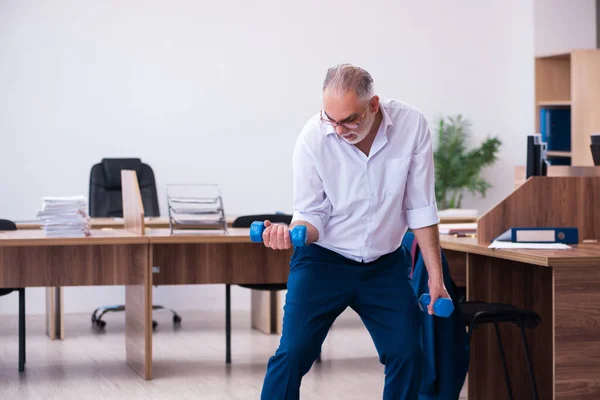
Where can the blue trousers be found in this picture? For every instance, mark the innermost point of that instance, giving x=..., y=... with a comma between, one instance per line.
x=321, y=285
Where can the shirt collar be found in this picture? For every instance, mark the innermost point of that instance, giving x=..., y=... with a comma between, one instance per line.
x=386, y=122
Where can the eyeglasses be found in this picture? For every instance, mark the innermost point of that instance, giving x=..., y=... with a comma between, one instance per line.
x=347, y=125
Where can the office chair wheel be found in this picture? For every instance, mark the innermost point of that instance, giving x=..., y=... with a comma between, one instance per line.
x=154, y=324
x=100, y=324
x=176, y=319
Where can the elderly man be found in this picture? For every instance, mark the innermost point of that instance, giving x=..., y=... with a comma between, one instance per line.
x=363, y=175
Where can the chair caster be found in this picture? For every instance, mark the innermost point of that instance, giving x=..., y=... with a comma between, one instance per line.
x=154, y=324
x=176, y=319
x=100, y=323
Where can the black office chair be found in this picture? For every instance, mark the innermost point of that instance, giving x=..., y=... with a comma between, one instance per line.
x=244, y=222
x=105, y=201
x=6, y=225
x=477, y=313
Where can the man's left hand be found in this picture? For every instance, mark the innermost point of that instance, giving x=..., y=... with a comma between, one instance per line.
x=436, y=290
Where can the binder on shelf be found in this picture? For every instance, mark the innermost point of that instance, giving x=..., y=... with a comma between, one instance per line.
x=555, y=127
x=566, y=235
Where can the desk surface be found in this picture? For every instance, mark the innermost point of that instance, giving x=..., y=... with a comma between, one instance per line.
x=233, y=235
x=34, y=237
x=99, y=223
x=581, y=255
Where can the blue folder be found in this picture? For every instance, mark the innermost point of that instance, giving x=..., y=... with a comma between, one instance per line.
x=566, y=235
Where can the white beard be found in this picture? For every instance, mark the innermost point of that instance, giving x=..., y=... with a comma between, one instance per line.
x=357, y=138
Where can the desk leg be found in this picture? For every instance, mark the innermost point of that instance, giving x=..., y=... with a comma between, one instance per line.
x=138, y=312
x=522, y=285
x=55, y=328
x=267, y=311
x=260, y=305
x=577, y=343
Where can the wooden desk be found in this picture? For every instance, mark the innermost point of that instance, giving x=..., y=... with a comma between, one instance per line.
x=54, y=295
x=563, y=287
x=212, y=258
x=29, y=259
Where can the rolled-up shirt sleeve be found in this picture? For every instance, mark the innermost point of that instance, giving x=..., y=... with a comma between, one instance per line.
x=310, y=201
x=419, y=198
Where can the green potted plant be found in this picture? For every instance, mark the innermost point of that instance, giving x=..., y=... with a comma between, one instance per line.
x=457, y=168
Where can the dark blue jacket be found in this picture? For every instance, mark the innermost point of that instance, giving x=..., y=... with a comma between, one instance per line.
x=444, y=340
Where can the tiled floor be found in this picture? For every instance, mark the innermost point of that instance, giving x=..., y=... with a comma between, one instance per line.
x=189, y=363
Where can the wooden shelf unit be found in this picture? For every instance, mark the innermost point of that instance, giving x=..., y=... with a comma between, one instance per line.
x=572, y=80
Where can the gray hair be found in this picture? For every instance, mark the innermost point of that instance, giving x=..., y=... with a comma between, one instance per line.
x=345, y=77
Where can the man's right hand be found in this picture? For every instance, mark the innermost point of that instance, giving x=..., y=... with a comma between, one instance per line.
x=277, y=236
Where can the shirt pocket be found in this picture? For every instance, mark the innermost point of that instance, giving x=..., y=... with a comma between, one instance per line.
x=396, y=175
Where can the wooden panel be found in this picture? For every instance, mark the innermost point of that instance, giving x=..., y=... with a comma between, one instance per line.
x=50, y=313
x=133, y=209
x=37, y=238
x=552, y=79
x=233, y=235
x=564, y=170
x=554, y=103
x=68, y=265
x=520, y=174
x=457, y=264
x=581, y=255
x=585, y=119
x=197, y=263
x=138, y=315
x=577, y=319
x=568, y=201
x=55, y=328
x=522, y=285
x=262, y=303
x=60, y=312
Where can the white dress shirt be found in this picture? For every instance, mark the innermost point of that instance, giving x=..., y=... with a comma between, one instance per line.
x=362, y=206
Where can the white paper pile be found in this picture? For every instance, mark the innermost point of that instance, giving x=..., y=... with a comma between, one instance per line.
x=497, y=244
x=64, y=217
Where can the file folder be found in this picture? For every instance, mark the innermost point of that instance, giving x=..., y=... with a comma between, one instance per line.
x=566, y=235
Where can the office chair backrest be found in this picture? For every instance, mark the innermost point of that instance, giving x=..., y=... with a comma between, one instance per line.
x=596, y=153
x=245, y=221
x=105, y=198
x=6, y=225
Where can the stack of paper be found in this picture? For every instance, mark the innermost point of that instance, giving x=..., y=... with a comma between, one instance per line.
x=458, y=214
x=497, y=244
x=64, y=217
x=458, y=228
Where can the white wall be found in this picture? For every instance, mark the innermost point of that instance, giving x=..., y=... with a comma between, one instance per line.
x=563, y=25
x=218, y=91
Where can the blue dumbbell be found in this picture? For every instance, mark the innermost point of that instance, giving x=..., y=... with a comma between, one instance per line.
x=297, y=234
x=442, y=307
